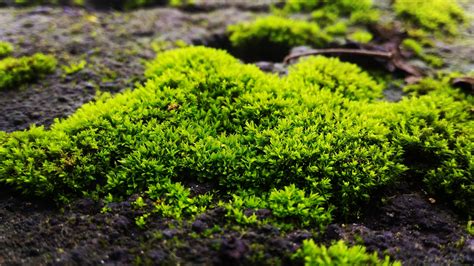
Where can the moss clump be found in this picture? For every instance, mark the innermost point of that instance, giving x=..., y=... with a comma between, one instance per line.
x=344, y=79
x=305, y=142
x=204, y=116
x=361, y=36
x=116, y=4
x=276, y=35
x=418, y=50
x=16, y=71
x=436, y=132
x=339, y=6
x=6, y=48
x=291, y=206
x=339, y=254
x=326, y=12
x=437, y=16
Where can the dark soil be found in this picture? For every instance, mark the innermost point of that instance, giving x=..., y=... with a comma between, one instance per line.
x=409, y=225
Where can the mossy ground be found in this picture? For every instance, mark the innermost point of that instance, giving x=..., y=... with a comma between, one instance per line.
x=111, y=229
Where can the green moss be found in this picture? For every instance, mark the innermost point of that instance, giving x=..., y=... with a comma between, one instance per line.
x=180, y=3
x=6, y=49
x=339, y=254
x=344, y=79
x=436, y=16
x=276, y=33
x=418, y=50
x=361, y=36
x=436, y=133
x=306, y=147
x=342, y=6
x=413, y=45
x=289, y=206
x=470, y=228
x=16, y=71
x=327, y=12
x=74, y=67
x=339, y=28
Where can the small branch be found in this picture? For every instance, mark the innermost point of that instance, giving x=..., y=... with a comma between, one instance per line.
x=385, y=55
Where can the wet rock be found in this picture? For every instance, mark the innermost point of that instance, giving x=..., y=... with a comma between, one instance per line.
x=299, y=236
x=156, y=255
x=121, y=222
x=233, y=249
x=199, y=226
x=117, y=254
x=169, y=233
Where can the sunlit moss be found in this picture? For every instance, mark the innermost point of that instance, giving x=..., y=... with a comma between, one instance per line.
x=278, y=33
x=437, y=16
x=339, y=254
x=6, y=48
x=318, y=138
x=16, y=71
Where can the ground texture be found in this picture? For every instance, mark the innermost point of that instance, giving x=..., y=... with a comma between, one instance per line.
x=410, y=226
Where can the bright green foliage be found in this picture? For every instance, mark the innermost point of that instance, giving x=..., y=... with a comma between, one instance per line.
x=278, y=33
x=438, y=143
x=361, y=36
x=470, y=228
x=139, y=203
x=299, y=146
x=75, y=67
x=174, y=200
x=140, y=221
x=344, y=79
x=417, y=49
x=207, y=117
x=237, y=206
x=328, y=11
x=436, y=132
x=118, y=4
x=342, y=6
x=179, y=3
x=413, y=45
x=16, y=71
x=435, y=15
x=339, y=254
x=6, y=48
x=338, y=28
x=291, y=204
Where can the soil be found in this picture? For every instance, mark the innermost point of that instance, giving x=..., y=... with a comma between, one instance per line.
x=408, y=225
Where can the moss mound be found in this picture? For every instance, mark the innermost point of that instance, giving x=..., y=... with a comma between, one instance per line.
x=16, y=71
x=339, y=254
x=275, y=35
x=438, y=16
x=324, y=11
x=305, y=146
x=346, y=80
x=6, y=48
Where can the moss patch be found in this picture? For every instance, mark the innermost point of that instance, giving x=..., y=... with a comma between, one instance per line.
x=311, y=141
x=6, y=48
x=16, y=71
x=339, y=254
x=437, y=16
x=274, y=35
